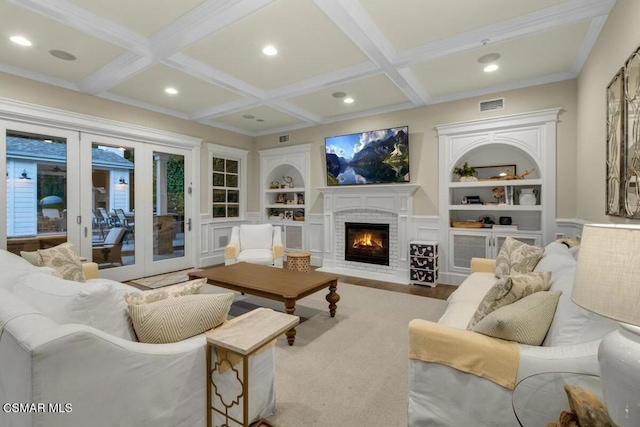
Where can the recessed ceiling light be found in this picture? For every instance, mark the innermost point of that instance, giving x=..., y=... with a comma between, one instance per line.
x=348, y=100
x=171, y=90
x=61, y=54
x=489, y=57
x=248, y=117
x=338, y=94
x=490, y=68
x=22, y=41
x=270, y=50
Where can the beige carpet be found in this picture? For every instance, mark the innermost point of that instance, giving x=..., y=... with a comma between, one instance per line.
x=162, y=280
x=351, y=370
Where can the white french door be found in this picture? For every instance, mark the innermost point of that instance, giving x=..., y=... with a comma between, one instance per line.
x=134, y=193
x=40, y=203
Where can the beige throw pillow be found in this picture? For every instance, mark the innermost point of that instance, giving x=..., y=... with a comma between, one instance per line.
x=64, y=259
x=508, y=290
x=176, y=319
x=191, y=287
x=525, y=321
x=33, y=257
x=516, y=257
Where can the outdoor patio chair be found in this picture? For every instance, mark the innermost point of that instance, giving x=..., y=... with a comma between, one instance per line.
x=124, y=222
x=110, y=251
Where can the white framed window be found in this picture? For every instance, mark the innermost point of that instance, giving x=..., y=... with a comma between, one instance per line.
x=227, y=182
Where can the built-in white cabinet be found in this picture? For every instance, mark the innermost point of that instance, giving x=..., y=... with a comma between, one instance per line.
x=284, y=191
x=465, y=244
x=527, y=141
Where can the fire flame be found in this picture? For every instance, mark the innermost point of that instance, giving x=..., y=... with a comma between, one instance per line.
x=366, y=240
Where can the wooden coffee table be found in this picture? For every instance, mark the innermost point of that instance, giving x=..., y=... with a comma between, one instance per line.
x=274, y=283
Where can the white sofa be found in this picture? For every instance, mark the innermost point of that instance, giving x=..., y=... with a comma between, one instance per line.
x=108, y=377
x=440, y=395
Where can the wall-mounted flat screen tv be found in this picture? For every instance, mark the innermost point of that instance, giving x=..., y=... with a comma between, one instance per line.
x=374, y=157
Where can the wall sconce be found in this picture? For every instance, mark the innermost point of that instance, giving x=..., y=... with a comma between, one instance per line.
x=122, y=181
x=23, y=175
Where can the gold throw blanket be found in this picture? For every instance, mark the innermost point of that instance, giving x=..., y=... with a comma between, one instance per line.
x=491, y=358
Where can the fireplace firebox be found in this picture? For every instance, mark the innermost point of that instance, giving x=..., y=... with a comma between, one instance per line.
x=368, y=243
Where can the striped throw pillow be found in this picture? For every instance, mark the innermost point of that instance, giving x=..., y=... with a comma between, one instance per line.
x=192, y=287
x=176, y=319
x=525, y=321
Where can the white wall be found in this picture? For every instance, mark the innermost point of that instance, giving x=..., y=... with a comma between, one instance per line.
x=423, y=141
x=618, y=39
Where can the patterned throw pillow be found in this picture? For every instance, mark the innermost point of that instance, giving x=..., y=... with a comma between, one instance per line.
x=508, y=290
x=191, y=287
x=64, y=259
x=176, y=319
x=33, y=257
x=516, y=257
x=525, y=321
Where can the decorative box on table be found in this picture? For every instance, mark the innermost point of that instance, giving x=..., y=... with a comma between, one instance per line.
x=423, y=262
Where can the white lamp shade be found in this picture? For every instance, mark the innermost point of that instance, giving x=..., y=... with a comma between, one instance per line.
x=608, y=275
x=608, y=283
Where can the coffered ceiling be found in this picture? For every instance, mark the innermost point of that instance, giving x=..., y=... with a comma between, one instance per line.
x=385, y=55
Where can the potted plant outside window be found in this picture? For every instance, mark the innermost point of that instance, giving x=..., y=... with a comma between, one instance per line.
x=466, y=173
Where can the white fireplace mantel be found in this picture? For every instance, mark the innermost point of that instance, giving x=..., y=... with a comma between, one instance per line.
x=395, y=199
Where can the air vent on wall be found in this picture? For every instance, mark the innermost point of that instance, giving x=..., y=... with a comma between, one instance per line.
x=491, y=105
x=283, y=138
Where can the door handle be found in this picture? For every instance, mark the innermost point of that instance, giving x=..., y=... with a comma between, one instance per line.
x=86, y=233
x=189, y=224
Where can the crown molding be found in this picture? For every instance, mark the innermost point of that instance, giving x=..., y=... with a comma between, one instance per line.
x=587, y=44
x=224, y=109
x=32, y=75
x=143, y=105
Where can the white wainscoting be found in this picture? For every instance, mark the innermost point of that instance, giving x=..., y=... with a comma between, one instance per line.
x=425, y=227
x=214, y=236
x=315, y=232
x=569, y=228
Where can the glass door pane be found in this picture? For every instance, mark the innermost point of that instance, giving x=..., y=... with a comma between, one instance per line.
x=37, y=191
x=168, y=206
x=113, y=205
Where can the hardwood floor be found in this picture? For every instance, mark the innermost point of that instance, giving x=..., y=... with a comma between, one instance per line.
x=439, y=292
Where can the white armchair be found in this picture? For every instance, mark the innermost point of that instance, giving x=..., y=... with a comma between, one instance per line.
x=256, y=244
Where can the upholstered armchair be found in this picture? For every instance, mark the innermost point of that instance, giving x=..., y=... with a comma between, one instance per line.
x=256, y=244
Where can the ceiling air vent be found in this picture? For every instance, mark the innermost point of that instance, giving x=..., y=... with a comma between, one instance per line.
x=491, y=105
x=283, y=138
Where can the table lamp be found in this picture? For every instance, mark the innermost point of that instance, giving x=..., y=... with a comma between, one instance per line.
x=608, y=283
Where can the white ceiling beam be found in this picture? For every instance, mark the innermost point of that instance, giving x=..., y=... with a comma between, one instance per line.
x=330, y=79
x=297, y=112
x=115, y=72
x=81, y=19
x=146, y=106
x=568, y=13
x=202, y=21
x=224, y=109
x=204, y=72
x=355, y=22
x=228, y=127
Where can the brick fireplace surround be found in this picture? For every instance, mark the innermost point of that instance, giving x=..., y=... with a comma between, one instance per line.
x=379, y=204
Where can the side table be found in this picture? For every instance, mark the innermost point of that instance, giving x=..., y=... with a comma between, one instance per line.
x=539, y=399
x=242, y=336
x=299, y=261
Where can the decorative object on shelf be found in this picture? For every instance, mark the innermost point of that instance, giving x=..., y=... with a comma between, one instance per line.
x=606, y=283
x=494, y=173
x=300, y=197
x=466, y=173
x=471, y=200
x=298, y=215
x=528, y=196
x=281, y=198
x=290, y=201
x=487, y=220
x=615, y=141
x=498, y=193
x=274, y=185
x=288, y=180
x=508, y=194
x=467, y=224
x=504, y=220
x=288, y=215
x=423, y=263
